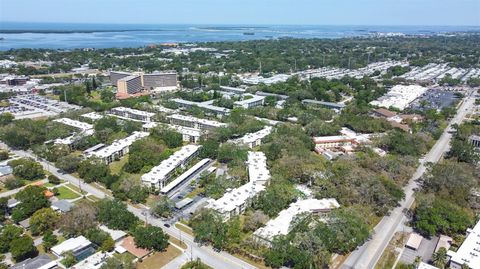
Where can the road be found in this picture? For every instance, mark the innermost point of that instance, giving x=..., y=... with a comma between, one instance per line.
x=366, y=256
x=13, y=192
x=209, y=256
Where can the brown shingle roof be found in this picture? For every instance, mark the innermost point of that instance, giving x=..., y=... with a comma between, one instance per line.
x=129, y=244
x=384, y=112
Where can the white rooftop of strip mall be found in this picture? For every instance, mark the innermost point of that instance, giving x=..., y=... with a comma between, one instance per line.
x=400, y=96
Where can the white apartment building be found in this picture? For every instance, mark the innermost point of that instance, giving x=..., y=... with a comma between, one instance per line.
x=92, y=116
x=254, y=101
x=281, y=225
x=117, y=149
x=85, y=130
x=159, y=175
x=191, y=135
x=196, y=123
x=254, y=139
x=469, y=251
x=132, y=114
x=83, y=126
x=235, y=201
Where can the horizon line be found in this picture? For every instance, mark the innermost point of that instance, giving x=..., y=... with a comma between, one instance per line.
x=243, y=24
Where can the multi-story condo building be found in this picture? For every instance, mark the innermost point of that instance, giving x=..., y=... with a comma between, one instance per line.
x=117, y=149
x=281, y=225
x=132, y=114
x=160, y=80
x=115, y=76
x=254, y=101
x=196, y=123
x=159, y=175
x=130, y=85
x=236, y=201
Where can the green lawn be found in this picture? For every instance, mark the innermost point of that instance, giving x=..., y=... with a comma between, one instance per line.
x=159, y=259
x=75, y=188
x=116, y=167
x=66, y=193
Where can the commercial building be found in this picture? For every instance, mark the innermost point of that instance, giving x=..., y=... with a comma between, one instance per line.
x=254, y=101
x=235, y=201
x=132, y=114
x=196, y=123
x=400, y=96
x=281, y=225
x=129, y=86
x=117, y=149
x=77, y=245
x=159, y=175
x=469, y=251
x=423, y=265
x=254, y=139
x=15, y=80
x=191, y=135
x=330, y=146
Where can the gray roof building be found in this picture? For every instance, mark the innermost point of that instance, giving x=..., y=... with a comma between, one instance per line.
x=62, y=206
x=39, y=262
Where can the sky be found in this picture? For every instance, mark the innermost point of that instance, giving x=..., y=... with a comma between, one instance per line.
x=306, y=12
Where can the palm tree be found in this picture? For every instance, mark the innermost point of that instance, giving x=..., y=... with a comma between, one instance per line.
x=439, y=258
x=465, y=266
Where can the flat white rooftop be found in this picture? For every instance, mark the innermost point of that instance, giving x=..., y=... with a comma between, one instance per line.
x=257, y=167
x=92, y=116
x=71, y=245
x=255, y=98
x=118, y=145
x=469, y=251
x=181, y=129
x=197, y=120
x=235, y=198
x=252, y=137
x=281, y=224
x=400, y=96
x=159, y=173
x=75, y=123
x=133, y=111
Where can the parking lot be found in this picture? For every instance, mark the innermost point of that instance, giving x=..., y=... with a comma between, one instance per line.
x=34, y=106
x=434, y=99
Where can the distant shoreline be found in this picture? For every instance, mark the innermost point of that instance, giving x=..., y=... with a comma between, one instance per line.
x=31, y=31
